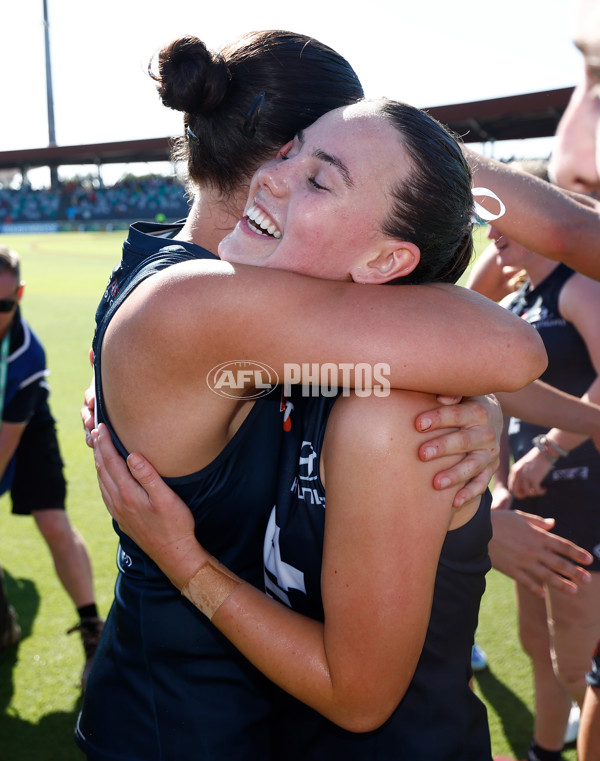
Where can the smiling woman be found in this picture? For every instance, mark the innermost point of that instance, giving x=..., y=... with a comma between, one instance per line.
x=337, y=198
x=344, y=166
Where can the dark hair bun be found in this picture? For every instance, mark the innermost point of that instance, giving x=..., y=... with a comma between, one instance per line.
x=190, y=77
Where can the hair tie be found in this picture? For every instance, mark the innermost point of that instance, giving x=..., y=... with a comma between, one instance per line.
x=253, y=115
x=191, y=136
x=482, y=213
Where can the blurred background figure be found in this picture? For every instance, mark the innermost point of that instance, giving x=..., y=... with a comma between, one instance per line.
x=557, y=476
x=30, y=463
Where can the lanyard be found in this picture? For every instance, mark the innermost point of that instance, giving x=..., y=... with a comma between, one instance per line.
x=3, y=368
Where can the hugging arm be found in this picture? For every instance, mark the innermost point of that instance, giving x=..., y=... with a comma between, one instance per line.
x=350, y=670
x=558, y=224
x=428, y=334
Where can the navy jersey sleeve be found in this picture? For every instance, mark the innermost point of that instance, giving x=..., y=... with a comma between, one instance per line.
x=24, y=403
x=26, y=386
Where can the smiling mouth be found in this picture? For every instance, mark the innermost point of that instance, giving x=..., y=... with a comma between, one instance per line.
x=261, y=223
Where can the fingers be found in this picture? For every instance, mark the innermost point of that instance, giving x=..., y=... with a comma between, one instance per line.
x=479, y=463
x=149, y=479
x=448, y=400
x=463, y=441
x=474, y=488
x=522, y=548
x=88, y=424
x=117, y=486
x=564, y=551
x=522, y=488
x=536, y=520
x=87, y=412
x=466, y=413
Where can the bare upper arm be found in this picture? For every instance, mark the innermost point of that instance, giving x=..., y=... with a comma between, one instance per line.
x=429, y=335
x=579, y=303
x=385, y=526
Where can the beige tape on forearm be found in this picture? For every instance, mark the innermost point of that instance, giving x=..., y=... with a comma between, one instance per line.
x=210, y=586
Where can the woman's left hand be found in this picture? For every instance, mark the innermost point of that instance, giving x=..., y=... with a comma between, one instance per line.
x=147, y=510
x=526, y=475
x=479, y=420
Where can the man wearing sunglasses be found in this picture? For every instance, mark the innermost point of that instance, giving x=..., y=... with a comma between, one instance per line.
x=30, y=463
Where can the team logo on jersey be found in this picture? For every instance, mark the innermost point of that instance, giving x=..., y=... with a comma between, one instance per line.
x=280, y=576
x=253, y=378
x=124, y=560
x=306, y=483
x=570, y=474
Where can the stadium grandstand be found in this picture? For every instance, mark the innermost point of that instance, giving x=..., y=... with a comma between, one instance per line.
x=90, y=205
x=74, y=204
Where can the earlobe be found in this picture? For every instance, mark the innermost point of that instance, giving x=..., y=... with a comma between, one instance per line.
x=399, y=259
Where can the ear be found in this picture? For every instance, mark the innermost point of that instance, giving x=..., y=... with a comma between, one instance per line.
x=20, y=290
x=395, y=259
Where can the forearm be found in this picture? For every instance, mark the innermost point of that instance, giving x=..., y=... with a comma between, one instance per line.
x=547, y=406
x=557, y=224
x=287, y=647
x=501, y=475
x=429, y=336
x=568, y=440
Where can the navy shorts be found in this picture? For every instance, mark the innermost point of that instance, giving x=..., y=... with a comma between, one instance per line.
x=39, y=483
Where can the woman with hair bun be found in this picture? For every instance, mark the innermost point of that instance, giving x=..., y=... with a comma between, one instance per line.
x=166, y=684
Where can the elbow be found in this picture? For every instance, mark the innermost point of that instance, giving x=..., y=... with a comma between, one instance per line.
x=363, y=722
x=364, y=716
x=528, y=358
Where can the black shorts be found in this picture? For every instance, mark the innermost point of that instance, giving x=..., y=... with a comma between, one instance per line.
x=39, y=483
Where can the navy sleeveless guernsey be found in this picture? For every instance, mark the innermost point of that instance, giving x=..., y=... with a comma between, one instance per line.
x=165, y=684
x=573, y=484
x=440, y=718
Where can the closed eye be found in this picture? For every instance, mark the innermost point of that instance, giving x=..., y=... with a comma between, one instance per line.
x=314, y=182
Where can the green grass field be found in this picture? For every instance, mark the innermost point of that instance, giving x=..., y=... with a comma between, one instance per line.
x=39, y=697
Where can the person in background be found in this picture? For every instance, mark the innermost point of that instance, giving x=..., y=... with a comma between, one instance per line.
x=31, y=467
x=556, y=475
x=565, y=228
x=575, y=164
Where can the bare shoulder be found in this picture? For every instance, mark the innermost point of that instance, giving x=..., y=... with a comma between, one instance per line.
x=383, y=414
x=381, y=425
x=378, y=434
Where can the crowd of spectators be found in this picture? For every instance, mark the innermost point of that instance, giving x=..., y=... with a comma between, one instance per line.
x=131, y=199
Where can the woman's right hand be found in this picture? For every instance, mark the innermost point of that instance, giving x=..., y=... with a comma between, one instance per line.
x=147, y=510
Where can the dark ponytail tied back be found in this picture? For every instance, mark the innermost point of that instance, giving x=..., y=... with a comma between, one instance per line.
x=243, y=103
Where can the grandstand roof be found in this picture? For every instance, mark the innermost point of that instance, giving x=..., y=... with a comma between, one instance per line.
x=512, y=117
